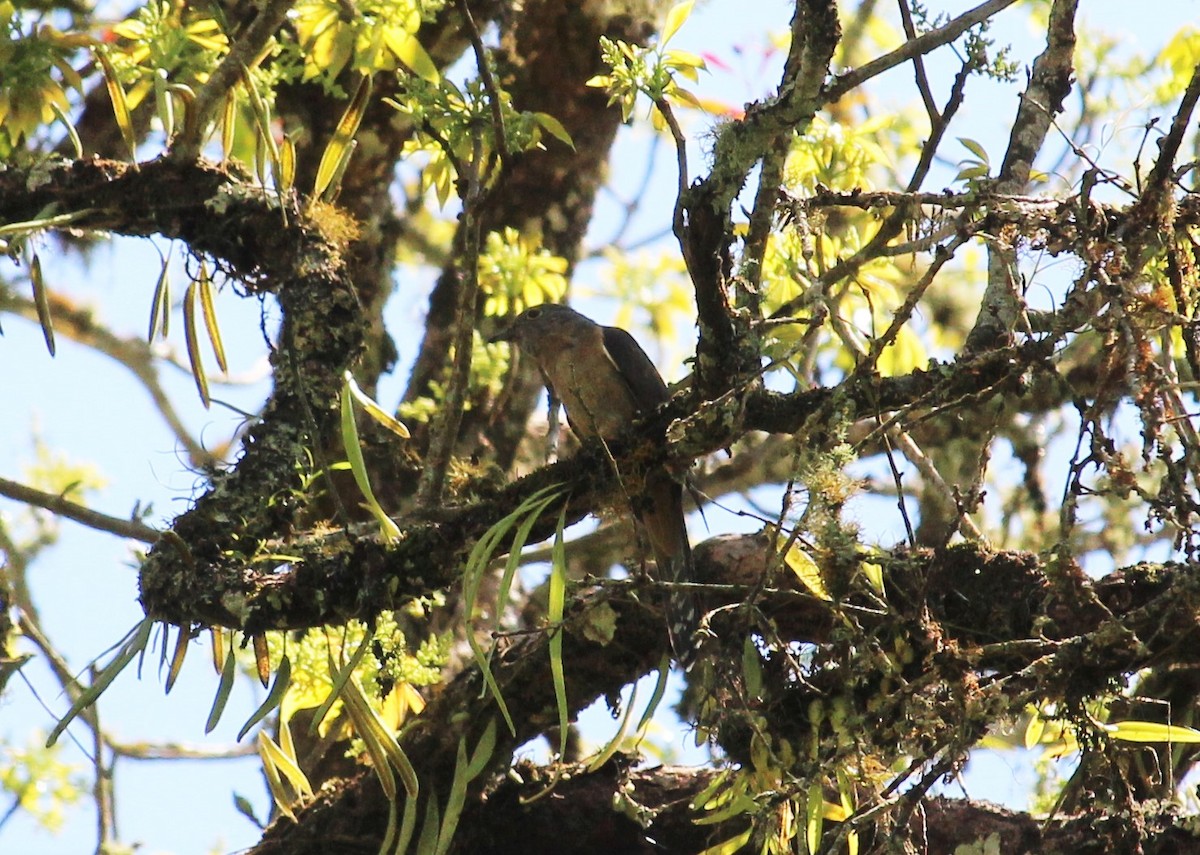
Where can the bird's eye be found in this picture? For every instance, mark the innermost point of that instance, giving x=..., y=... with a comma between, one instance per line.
x=533, y=314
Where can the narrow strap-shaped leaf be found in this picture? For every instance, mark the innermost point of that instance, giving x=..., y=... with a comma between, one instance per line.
x=455, y=800
x=160, y=303
x=41, y=299
x=216, y=637
x=262, y=658
x=340, y=676
x=343, y=134
x=210, y=318
x=135, y=643
x=274, y=782
x=555, y=608
x=285, y=764
x=120, y=103
x=224, y=689
x=660, y=688
x=283, y=678
x=193, y=343
x=181, y=648
x=358, y=467
x=605, y=753
x=372, y=409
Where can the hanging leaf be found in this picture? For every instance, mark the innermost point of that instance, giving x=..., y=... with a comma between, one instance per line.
x=160, y=303
x=210, y=318
x=181, y=647
x=283, y=679
x=262, y=658
x=41, y=299
x=224, y=689
x=134, y=643
x=193, y=342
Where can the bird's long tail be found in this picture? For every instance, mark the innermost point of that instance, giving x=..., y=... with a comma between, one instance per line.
x=665, y=527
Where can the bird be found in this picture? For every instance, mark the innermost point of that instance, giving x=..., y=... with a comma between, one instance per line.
x=606, y=382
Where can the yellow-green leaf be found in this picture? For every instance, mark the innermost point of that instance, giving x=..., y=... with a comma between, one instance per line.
x=555, y=128
x=41, y=299
x=193, y=343
x=675, y=19
x=287, y=164
x=409, y=51
x=1152, y=731
x=814, y=817
x=160, y=303
x=284, y=763
x=358, y=467
x=210, y=318
x=120, y=102
x=181, y=646
x=807, y=571
x=372, y=409
x=347, y=127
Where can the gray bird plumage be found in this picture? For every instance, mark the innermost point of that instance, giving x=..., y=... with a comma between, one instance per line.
x=606, y=382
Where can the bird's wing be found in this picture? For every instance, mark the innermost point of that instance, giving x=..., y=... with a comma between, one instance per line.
x=635, y=368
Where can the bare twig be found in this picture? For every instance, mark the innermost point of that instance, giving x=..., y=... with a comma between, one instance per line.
x=86, y=516
x=923, y=44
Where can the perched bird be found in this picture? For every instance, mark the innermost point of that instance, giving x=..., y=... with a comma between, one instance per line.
x=606, y=382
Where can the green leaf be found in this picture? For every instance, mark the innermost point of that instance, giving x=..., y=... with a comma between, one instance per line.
x=224, y=688
x=283, y=679
x=262, y=117
x=134, y=643
x=605, y=753
x=975, y=149
x=358, y=467
x=554, y=614
x=373, y=409
x=814, y=817
x=455, y=800
x=807, y=571
x=339, y=677
x=181, y=646
x=555, y=128
x=72, y=133
x=164, y=103
x=41, y=299
x=484, y=749
x=160, y=303
x=660, y=688
x=730, y=846
x=752, y=668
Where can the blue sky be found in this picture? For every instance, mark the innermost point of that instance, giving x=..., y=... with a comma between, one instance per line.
x=87, y=408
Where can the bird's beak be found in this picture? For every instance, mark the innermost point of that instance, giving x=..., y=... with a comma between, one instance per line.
x=503, y=335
